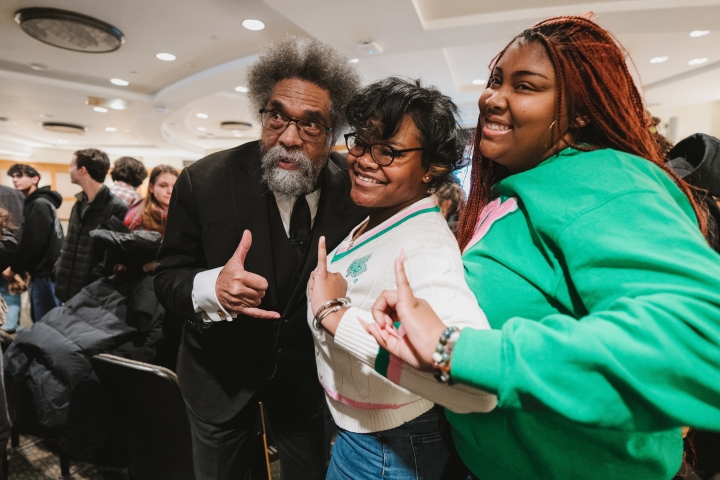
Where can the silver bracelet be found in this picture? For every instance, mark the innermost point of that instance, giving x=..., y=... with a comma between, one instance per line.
x=325, y=310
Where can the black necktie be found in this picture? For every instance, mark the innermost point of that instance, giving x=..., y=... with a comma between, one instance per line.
x=300, y=225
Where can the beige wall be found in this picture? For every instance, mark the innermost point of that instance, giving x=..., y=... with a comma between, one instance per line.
x=689, y=119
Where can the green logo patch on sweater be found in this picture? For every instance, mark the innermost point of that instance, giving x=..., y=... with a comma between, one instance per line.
x=358, y=267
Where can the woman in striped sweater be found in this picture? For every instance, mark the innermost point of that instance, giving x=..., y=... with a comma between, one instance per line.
x=407, y=141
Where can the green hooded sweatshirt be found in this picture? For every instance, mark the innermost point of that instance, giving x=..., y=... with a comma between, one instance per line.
x=604, y=299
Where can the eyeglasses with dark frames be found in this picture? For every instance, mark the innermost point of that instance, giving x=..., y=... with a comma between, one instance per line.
x=381, y=154
x=307, y=130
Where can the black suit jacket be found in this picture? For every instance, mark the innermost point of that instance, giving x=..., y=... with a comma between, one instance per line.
x=213, y=202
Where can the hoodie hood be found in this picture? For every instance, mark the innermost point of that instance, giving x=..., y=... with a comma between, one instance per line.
x=54, y=197
x=696, y=159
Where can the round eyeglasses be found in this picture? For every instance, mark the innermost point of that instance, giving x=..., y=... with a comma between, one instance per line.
x=307, y=130
x=381, y=154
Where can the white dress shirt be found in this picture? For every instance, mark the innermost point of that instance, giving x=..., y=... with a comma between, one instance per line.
x=205, y=300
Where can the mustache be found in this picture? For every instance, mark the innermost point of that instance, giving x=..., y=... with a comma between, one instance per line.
x=279, y=153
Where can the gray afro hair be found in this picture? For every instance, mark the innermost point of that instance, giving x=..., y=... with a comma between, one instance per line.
x=308, y=59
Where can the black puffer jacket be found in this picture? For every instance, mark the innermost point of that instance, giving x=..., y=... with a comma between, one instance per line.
x=50, y=361
x=696, y=159
x=42, y=235
x=80, y=254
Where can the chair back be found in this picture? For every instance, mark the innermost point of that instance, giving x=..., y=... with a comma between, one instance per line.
x=148, y=399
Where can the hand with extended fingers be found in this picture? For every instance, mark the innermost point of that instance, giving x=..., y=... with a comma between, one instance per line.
x=241, y=291
x=420, y=327
x=324, y=286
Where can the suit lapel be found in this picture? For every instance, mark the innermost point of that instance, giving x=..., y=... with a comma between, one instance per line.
x=333, y=197
x=250, y=207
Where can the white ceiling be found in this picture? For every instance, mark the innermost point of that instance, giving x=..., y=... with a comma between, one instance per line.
x=447, y=43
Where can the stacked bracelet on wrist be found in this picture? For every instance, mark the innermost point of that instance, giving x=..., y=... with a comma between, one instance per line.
x=443, y=354
x=328, y=308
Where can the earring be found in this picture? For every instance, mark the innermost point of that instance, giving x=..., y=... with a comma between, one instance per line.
x=427, y=178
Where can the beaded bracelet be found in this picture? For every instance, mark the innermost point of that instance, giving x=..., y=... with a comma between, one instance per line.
x=325, y=310
x=443, y=354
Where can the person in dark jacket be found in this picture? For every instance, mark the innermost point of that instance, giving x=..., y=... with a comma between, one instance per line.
x=241, y=240
x=39, y=246
x=8, y=247
x=12, y=201
x=95, y=204
x=696, y=159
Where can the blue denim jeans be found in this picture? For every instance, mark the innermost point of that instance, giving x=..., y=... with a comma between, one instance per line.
x=12, y=318
x=412, y=451
x=42, y=297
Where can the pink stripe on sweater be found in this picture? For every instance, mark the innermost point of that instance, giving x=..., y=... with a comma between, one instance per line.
x=394, y=371
x=338, y=397
x=492, y=212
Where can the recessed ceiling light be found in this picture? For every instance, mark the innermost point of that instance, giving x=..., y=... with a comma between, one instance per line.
x=237, y=134
x=242, y=89
x=659, y=59
x=354, y=60
x=110, y=129
x=479, y=81
x=167, y=57
x=201, y=115
x=118, y=104
x=39, y=67
x=202, y=129
x=699, y=33
x=697, y=61
x=120, y=82
x=62, y=141
x=100, y=109
x=254, y=25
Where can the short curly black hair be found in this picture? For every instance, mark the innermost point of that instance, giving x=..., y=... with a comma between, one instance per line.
x=24, y=170
x=307, y=59
x=95, y=161
x=379, y=109
x=129, y=170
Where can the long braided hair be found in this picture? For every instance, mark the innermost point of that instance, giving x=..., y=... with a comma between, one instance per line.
x=593, y=81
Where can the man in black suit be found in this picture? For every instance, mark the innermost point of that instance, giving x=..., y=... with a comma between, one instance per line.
x=240, y=243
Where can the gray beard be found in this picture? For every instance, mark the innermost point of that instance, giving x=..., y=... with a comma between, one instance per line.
x=297, y=182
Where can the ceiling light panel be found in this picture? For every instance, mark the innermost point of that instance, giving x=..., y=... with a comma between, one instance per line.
x=166, y=57
x=254, y=25
x=699, y=33
x=241, y=89
x=120, y=82
x=659, y=59
x=697, y=61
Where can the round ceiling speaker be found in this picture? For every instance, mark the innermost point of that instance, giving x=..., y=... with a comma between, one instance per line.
x=63, y=127
x=236, y=125
x=69, y=30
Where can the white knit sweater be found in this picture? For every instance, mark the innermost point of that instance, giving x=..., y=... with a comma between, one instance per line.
x=360, y=399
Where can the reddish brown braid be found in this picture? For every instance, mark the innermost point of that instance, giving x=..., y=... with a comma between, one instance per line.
x=595, y=83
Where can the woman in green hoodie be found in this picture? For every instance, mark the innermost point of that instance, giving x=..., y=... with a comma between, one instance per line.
x=588, y=258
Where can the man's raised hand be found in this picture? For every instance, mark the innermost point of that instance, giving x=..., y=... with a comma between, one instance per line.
x=241, y=291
